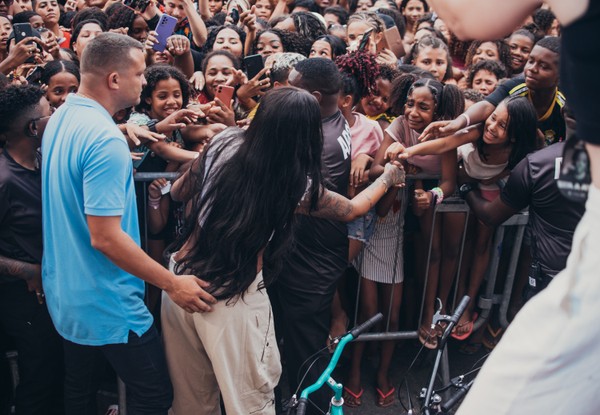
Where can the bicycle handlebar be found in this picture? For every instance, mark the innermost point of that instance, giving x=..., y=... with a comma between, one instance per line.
x=460, y=309
x=357, y=331
x=301, y=410
x=462, y=391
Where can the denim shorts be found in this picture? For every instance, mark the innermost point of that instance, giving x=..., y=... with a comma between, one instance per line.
x=362, y=228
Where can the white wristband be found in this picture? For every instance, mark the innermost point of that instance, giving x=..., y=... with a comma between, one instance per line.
x=464, y=114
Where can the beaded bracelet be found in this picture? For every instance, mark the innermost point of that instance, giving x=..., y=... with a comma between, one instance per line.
x=438, y=195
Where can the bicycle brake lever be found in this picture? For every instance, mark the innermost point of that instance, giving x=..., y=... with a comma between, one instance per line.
x=438, y=316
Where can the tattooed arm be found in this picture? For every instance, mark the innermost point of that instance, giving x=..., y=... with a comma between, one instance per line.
x=334, y=206
x=30, y=273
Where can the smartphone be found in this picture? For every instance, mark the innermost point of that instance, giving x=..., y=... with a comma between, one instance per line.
x=22, y=30
x=225, y=94
x=365, y=39
x=235, y=16
x=254, y=64
x=35, y=75
x=391, y=40
x=137, y=5
x=164, y=29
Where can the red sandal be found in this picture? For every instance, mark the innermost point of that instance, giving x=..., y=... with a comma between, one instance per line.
x=351, y=399
x=385, y=399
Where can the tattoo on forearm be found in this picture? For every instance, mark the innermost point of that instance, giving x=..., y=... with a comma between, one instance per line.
x=334, y=205
x=14, y=268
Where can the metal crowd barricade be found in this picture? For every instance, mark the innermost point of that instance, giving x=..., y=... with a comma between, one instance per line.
x=487, y=298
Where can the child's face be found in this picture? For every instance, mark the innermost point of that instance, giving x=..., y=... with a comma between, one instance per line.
x=139, y=29
x=175, y=9
x=320, y=49
x=263, y=9
x=413, y=11
x=487, y=50
x=268, y=44
x=229, y=40
x=219, y=71
x=419, y=108
x=215, y=6
x=520, y=48
x=363, y=5
x=433, y=60
x=485, y=82
x=166, y=99
x=378, y=103
x=541, y=69
x=496, y=127
x=59, y=86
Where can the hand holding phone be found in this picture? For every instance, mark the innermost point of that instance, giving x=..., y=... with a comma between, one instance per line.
x=365, y=39
x=254, y=64
x=164, y=28
x=225, y=94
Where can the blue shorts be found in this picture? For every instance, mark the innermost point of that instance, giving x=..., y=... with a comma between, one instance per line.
x=362, y=228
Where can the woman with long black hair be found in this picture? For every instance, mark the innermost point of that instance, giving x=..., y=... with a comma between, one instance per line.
x=245, y=192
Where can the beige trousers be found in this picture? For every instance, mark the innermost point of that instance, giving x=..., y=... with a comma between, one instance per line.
x=231, y=350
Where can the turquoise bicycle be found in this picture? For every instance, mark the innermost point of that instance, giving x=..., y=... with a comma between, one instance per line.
x=337, y=401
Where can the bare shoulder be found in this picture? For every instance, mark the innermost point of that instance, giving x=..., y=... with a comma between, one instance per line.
x=568, y=11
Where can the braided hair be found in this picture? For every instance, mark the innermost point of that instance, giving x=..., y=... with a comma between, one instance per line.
x=308, y=25
x=363, y=67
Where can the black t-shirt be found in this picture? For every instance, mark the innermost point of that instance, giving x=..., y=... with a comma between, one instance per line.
x=320, y=253
x=552, y=123
x=552, y=217
x=20, y=212
x=580, y=60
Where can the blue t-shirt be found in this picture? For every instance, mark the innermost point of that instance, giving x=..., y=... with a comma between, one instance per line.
x=87, y=170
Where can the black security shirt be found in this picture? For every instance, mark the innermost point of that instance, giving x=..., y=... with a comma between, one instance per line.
x=552, y=217
x=320, y=253
x=20, y=212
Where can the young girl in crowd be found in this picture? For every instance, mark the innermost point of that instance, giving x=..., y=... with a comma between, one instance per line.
x=495, y=50
x=520, y=44
x=485, y=75
x=229, y=37
x=412, y=10
x=134, y=24
x=375, y=106
x=273, y=40
x=61, y=79
x=327, y=46
x=433, y=55
x=369, y=22
x=487, y=153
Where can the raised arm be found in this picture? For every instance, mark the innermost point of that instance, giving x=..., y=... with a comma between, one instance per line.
x=199, y=32
x=476, y=114
x=441, y=145
x=334, y=206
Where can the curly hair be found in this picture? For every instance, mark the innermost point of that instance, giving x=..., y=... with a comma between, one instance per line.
x=543, y=18
x=363, y=67
x=493, y=67
x=214, y=31
x=308, y=25
x=291, y=41
x=503, y=52
x=16, y=102
x=156, y=73
x=473, y=96
x=55, y=67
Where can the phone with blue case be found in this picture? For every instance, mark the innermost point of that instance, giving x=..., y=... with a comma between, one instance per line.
x=164, y=29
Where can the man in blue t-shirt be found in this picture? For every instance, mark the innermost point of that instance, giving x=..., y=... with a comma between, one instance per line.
x=93, y=269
